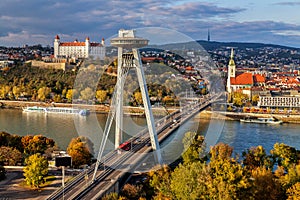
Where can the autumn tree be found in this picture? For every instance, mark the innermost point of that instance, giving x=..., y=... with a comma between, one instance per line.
x=80, y=151
x=265, y=185
x=9, y=140
x=239, y=98
x=132, y=192
x=160, y=180
x=10, y=156
x=255, y=99
x=284, y=155
x=16, y=91
x=36, y=144
x=72, y=94
x=101, y=95
x=193, y=146
x=293, y=192
x=43, y=93
x=87, y=94
x=138, y=98
x=189, y=181
x=256, y=157
x=36, y=170
x=291, y=177
x=228, y=179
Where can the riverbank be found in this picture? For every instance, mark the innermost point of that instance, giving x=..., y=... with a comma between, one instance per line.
x=237, y=116
x=128, y=110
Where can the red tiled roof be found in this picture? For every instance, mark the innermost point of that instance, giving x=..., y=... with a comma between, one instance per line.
x=292, y=80
x=72, y=44
x=259, y=78
x=242, y=79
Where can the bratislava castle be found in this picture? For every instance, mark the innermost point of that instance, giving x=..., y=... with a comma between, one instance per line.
x=79, y=49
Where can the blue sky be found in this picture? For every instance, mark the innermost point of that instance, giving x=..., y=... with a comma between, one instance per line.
x=38, y=21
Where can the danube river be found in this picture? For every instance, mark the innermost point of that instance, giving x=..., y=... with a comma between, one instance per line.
x=62, y=128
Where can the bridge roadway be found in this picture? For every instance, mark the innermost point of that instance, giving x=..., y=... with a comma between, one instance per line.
x=115, y=164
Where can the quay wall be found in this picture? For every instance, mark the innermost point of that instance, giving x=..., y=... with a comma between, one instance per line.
x=237, y=116
x=128, y=110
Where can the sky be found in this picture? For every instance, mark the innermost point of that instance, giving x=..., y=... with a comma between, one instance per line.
x=39, y=21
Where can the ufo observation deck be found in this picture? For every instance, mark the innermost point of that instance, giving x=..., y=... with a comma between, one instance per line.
x=127, y=39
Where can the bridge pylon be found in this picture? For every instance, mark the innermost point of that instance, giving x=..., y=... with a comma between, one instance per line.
x=126, y=60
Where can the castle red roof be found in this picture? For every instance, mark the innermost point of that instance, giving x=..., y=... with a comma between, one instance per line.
x=72, y=44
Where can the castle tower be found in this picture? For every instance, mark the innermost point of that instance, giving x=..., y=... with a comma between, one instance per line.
x=230, y=71
x=56, y=46
x=87, y=46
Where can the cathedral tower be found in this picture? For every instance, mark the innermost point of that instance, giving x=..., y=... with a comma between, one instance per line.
x=230, y=71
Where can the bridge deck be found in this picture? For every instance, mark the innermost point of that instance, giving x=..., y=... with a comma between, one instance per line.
x=115, y=164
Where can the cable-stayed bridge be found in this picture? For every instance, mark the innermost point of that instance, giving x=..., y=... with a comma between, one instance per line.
x=112, y=170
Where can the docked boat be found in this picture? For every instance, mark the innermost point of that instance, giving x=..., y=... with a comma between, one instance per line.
x=262, y=120
x=59, y=110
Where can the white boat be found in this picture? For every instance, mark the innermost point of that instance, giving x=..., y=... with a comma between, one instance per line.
x=59, y=110
x=262, y=120
x=34, y=109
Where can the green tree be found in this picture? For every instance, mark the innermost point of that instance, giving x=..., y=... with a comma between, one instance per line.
x=36, y=170
x=80, y=151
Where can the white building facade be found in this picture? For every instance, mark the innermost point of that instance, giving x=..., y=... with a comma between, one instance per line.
x=292, y=102
x=78, y=49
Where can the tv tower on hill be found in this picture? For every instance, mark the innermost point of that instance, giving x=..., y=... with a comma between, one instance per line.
x=208, y=35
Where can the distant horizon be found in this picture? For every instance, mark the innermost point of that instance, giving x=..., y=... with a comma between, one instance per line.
x=200, y=40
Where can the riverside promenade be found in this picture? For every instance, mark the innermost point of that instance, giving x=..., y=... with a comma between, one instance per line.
x=286, y=118
x=97, y=108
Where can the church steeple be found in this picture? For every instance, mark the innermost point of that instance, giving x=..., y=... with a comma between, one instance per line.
x=231, y=71
x=231, y=65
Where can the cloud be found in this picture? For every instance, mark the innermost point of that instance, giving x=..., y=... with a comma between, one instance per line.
x=39, y=21
x=201, y=9
x=291, y=3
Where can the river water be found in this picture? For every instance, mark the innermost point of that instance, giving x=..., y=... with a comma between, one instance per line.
x=62, y=128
